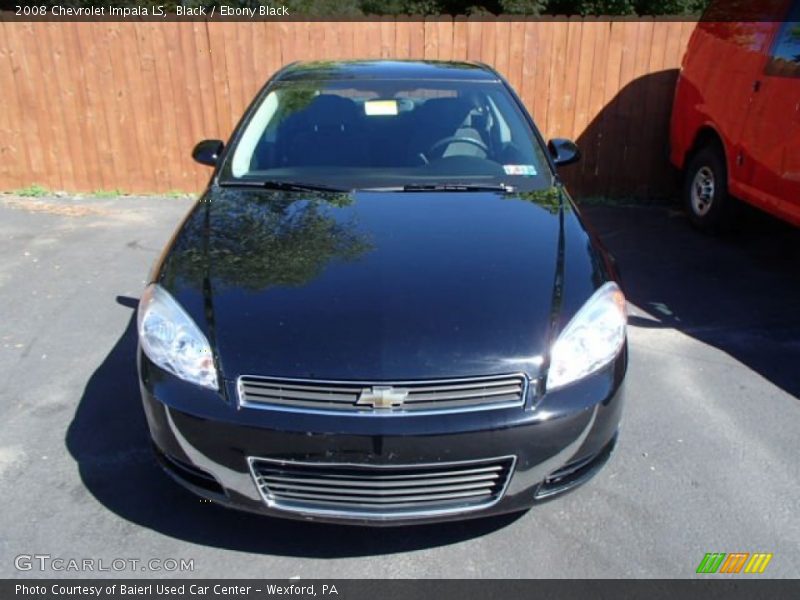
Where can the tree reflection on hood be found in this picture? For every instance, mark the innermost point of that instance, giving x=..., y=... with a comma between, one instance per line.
x=256, y=239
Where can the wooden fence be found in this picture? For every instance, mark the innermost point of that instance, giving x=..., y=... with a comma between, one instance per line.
x=106, y=106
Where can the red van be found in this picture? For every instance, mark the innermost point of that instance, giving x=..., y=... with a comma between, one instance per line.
x=735, y=126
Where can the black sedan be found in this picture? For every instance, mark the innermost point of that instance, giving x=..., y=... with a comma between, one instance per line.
x=385, y=307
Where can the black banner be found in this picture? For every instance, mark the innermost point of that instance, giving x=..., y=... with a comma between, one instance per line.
x=255, y=589
x=334, y=10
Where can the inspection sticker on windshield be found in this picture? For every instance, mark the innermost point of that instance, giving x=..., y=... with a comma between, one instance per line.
x=528, y=170
x=380, y=107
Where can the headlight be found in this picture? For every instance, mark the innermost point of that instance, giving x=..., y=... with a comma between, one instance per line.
x=591, y=340
x=170, y=339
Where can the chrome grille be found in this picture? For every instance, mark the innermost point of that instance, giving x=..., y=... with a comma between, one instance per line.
x=370, y=491
x=499, y=391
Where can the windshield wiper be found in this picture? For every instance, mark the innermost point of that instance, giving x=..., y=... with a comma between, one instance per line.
x=287, y=186
x=451, y=187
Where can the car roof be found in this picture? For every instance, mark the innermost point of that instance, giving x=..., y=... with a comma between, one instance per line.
x=387, y=69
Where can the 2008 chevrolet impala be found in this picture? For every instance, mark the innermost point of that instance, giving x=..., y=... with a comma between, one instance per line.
x=385, y=307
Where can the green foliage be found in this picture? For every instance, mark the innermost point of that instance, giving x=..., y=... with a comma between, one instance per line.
x=523, y=7
x=34, y=190
x=401, y=7
x=107, y=193
x=549, y=199
x=590, y=7
x=626, y=7
x=670, y=7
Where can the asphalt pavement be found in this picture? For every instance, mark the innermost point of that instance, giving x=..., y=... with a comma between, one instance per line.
x=707, y=459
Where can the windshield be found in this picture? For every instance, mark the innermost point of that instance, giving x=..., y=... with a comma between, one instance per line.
x=381, y=133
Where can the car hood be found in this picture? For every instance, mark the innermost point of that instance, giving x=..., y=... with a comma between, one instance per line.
x=379, y=285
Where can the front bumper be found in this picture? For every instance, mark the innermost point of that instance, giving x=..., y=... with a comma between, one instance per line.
x=207, y=443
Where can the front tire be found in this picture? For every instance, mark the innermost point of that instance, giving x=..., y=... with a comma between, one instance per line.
x=705, y=189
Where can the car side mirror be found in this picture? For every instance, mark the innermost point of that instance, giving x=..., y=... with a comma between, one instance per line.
x=564, y=152
x=208, y=152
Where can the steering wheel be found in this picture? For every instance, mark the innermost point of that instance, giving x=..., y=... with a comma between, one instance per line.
x=455, y=138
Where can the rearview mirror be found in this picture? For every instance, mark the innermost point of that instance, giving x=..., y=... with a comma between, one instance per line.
x=208, y=152
x=564, y=152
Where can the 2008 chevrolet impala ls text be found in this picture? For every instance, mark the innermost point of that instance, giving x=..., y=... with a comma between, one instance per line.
x=385, y=307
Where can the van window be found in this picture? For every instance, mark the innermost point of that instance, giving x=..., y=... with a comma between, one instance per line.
x=784, y=60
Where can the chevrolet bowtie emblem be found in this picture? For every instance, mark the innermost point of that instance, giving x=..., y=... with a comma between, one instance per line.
x=382, y=396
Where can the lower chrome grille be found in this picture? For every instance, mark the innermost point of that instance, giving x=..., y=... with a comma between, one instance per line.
x=500, y=391
x=381, y=492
